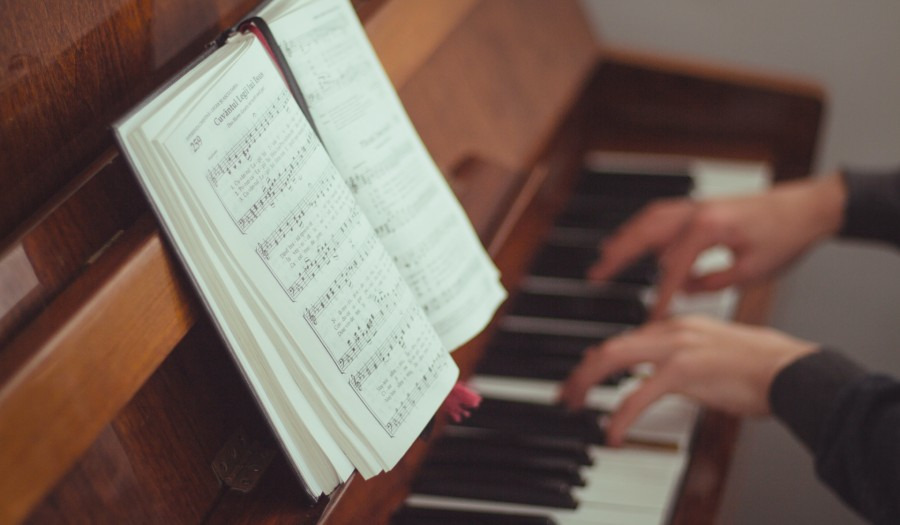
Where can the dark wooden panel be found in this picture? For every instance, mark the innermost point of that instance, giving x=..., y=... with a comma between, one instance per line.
x=499, y=86
x=152, y=464
x=66, y=235
x=648, y=103
x=71, y=69
x=102, y=487
x=80, y=362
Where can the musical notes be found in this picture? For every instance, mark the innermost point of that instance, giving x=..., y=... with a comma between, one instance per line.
x=272, y=187
x=428, y=276
x=389, y=387
x=306, y=296
x=356, y=305
x=386, y=166
x=253, y=172
x=301, y=244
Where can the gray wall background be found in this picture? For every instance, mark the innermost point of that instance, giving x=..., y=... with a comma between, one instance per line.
x=843, y=294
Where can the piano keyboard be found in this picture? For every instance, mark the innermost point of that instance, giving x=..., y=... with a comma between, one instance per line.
x=522, y=460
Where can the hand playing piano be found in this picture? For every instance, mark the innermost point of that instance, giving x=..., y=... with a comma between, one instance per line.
x=764, y=232
x=722, y=365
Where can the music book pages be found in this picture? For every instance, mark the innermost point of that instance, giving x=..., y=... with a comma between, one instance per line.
x=378, y=152
x=340, y=276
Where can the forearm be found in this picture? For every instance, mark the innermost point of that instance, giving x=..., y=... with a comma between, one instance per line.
x=850, y=421
x=872, y=208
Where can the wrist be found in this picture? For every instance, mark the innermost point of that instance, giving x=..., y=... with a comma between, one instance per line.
x=827, y=200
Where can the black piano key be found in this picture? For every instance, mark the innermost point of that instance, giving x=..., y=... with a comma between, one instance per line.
x=434, y=516
x=573, y=261
x=623, y=309
x=606, y=220
x=591, y=239
x=473, y=485
x=529, y=447
x=553, y=480
x=548, y=368
x=541, y=367
x=645, y=185
x=533, y=419
x=539, y=344
x=563, y=261
x=620, y=204
x=531, y=465
x=644, y=271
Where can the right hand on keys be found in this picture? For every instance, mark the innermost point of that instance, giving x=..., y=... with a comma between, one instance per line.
x=722, y=365
x=764, y=232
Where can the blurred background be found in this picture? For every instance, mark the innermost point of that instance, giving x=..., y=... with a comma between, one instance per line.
x=844, y=294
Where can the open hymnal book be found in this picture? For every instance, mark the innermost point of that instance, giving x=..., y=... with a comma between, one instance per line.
x=338, y=266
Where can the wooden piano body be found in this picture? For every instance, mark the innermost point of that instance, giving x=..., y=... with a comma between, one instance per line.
x=115, y=393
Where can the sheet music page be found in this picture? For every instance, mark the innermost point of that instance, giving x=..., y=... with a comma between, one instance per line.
x=384, y=163
x=309, y=446
x=285, y=220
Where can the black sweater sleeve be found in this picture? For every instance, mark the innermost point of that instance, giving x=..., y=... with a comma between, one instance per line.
x=872, y=209
x=850, y=421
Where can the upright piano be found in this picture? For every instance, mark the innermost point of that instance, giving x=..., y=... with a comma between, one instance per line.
x=116, y=395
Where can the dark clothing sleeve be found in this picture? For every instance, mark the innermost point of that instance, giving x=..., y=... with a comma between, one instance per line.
x=872, y=210
x=850, y=421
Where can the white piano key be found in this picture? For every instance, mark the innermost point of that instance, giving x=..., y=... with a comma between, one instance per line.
x=670, y=420
x=536, y=390
x=633, y=477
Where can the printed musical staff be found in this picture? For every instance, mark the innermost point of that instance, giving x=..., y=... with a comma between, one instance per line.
x=240, y=151
x=302, y=244
x=389, y=387
x=356, y=306
x=243, y=175
x=275, y=186
x=366, y=330
x=428, y=276
x=341, y=282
